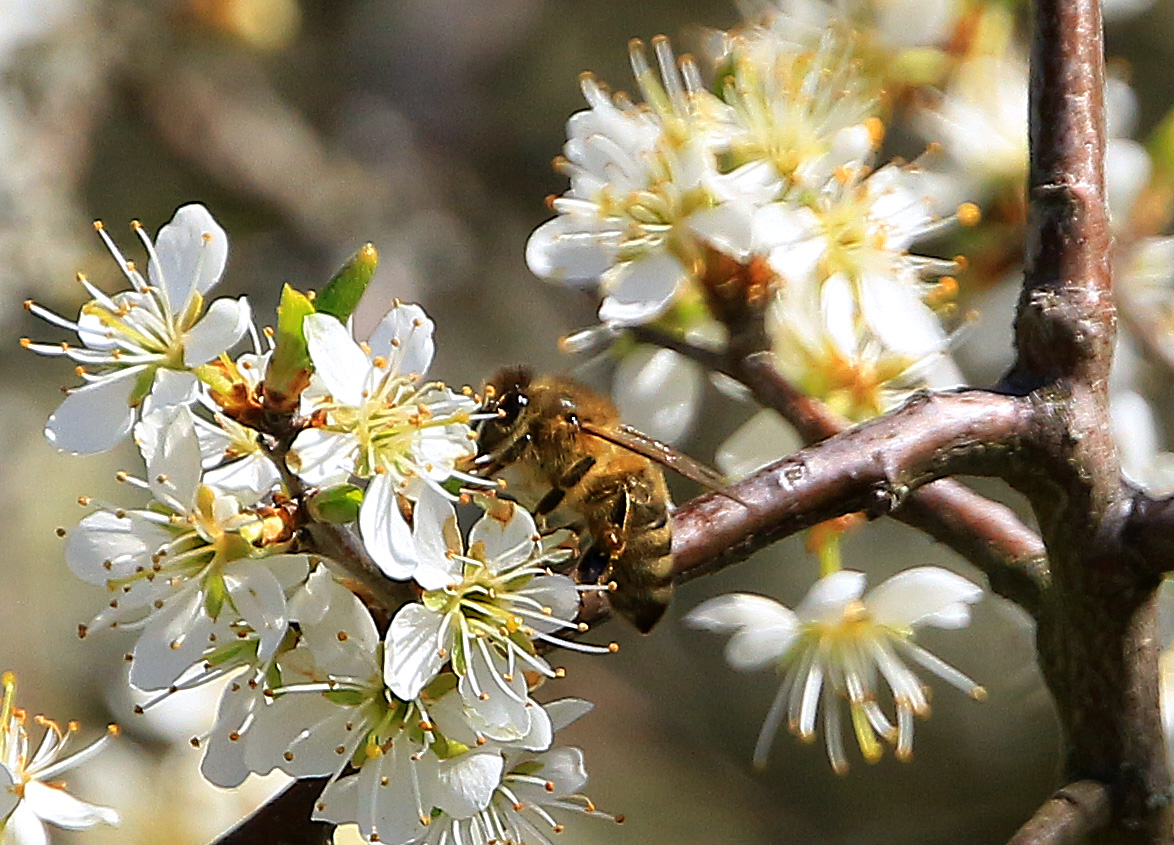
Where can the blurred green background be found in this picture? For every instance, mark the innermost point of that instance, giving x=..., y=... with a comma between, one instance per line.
x=427, y=127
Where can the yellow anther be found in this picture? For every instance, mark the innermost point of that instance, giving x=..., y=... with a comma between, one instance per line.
x=969, y=214
x=876, y=131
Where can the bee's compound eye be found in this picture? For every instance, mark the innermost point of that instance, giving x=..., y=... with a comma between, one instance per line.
x=511, y=405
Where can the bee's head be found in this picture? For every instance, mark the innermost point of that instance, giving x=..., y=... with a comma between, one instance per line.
x=506, y=395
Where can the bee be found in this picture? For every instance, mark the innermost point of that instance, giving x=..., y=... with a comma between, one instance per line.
x=567, y=450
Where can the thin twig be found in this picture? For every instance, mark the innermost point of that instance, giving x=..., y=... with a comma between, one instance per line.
x=1069, y=817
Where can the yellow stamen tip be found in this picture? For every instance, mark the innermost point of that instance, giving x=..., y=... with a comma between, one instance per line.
x=969, y=214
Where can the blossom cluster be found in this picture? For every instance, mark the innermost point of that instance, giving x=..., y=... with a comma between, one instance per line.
x=426, y=731
x=768, y=171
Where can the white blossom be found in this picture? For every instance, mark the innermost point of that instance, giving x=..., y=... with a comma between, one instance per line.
x=641, y=178
x=192, y=572
x=31, y=792
x=532, y=786
x=499, y=601
x=139, y=346
x=838, y=645
x=375, y=418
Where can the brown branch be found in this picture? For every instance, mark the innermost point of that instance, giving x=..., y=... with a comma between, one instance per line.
x=1065, y=325
x=1069, y=817
x=986, y=533
x=870, y=468
x=284, y=819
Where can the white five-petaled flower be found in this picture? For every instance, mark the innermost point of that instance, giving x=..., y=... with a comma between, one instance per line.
x=194, y=572
x=142, y=344
x=642, y=177
x=499, y=599
x=377, y=419
x=532, y=786
x=30, y=790
x=414, y=758
x=838, y=645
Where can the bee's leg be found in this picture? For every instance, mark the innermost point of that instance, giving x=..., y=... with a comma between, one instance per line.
x=593, y=564
x=565, y=482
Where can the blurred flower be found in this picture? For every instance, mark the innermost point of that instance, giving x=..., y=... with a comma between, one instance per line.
x=835, y=645
x=862, y=355
x=30, y=791
x=980, y=120
x=657, y=391
x=1139, y=443
x=144, y=342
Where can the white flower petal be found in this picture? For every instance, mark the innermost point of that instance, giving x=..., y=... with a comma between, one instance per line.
x=58, y=807
x=565, y=711
x=828, y=597
x=762, y=439
x=224, y=749
x=404, y=338
x=728, y=228
x=386, y=795
x=173, y=639
x=260, y=601
x=339, y=361
x=225, y=323
x=763, y=629
x=389, y=540
x=463, y=786
x=643, y=289
x=899, y=318
x=171, y=452
x=8, y=797
x=300, y=733
x=916, y=597
x=657, y=392
x=103, y=547
x=339, y=802
x=25, y=828
x=557, y=593
x=570, y=250
x=565, y=768
x=411, y=655
x=497, y=708
x=192, y=251
x=324, y=458
x=509, y=543
x=95, y=417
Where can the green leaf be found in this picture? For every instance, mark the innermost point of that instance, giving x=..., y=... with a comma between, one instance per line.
x=336, y=505
x=342, y=293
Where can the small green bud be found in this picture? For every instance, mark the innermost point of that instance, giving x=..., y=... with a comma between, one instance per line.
x=342, y=293
x=290, y=366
